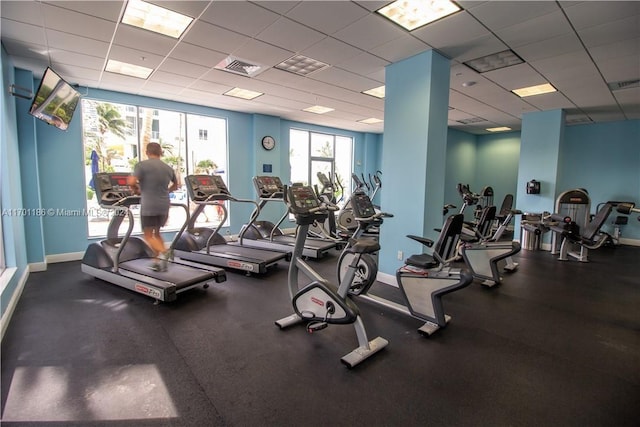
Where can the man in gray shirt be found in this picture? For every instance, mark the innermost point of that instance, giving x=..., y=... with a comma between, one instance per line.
x=154, y=180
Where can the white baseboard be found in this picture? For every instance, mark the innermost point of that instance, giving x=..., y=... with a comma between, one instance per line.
x=630, y=242
x=36, y=267
x=389, y=279
x=70, y=256
x=6, y=317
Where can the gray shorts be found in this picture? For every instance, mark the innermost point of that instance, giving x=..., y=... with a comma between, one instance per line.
x=153, y=221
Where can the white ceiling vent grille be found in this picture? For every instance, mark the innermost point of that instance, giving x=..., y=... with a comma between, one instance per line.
x=240, y=66
x=471, y=120
x=624, y=85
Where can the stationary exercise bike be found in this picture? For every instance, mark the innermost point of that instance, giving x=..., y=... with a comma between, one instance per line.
x=321, y=303
x=424, y=279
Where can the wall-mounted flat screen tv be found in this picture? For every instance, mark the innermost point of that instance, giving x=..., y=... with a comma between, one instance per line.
x=55, y=100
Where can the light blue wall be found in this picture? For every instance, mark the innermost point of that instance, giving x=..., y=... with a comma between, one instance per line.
x=461, y=167
x=497, y=164
x=12, y=225
x=604, y=158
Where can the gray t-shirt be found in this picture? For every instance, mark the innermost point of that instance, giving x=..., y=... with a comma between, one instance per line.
x=154, y=176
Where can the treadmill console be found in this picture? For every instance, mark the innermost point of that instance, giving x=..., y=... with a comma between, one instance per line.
x=112, y=187
x=207, y=187
x=362, y=206
x=268, y=187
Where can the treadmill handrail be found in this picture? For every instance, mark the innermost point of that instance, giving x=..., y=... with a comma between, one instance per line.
x=124, y=209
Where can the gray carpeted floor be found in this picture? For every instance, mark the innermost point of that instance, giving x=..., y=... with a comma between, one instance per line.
x=557, y=344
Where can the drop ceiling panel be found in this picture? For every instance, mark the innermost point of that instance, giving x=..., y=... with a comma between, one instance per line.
x=192, y=54
x=135, y=57
x=213, y=37
x=239, y=16
x=58, y=39
x=26, y=33
x=549, y=101
x=328, y=20
x=363, y=64
x=330, y=51
x=371, y=31
x=27, y=12
x=281, y=7
x=290, y=35
x=560, y=45
x=400, y=48
x=109, y=10
x=262, y=53
x=144, y=40
x=60, y=19
x=623, y=29
x=177, y=81
x=181, y=69
x=620, y=69
x=453, y=30
x=473, y=49
x=514, y=77
x=502, y=14
x=344, y=79
x=592, y=13
x=77, y=59
x=555, y=24
x=186, y=7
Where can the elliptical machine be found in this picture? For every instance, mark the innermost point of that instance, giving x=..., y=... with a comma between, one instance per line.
x=321, y=303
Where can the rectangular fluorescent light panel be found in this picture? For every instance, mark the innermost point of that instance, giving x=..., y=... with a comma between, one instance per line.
x=155, y=18
x=412, y=14
x=243, y=93
x=318, y=109
x=128, y=69
x=370, y=121
x=301, y=65
x=534, y=90
x=378, y=92
x=495, y=61
x=499, y=129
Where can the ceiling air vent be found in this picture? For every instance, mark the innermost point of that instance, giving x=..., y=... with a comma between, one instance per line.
x=240, y=66
x=471, y=120
x=624, y=85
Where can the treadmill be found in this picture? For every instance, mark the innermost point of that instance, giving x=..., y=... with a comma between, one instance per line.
x=126, y=261
x=266, y=235
x=205, y=245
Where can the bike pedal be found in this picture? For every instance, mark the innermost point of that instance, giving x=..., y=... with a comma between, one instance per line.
x=316, y=326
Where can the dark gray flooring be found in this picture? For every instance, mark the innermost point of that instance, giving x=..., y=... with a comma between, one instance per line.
x=557, y=344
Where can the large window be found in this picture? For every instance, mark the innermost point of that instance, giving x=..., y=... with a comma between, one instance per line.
x=115, y=139
x=313, y=152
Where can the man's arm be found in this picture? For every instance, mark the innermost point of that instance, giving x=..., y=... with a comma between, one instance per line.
x=174, y=183
x=132, y=181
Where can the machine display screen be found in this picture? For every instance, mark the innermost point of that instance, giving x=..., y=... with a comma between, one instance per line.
x=304, y=198
x=362, y=206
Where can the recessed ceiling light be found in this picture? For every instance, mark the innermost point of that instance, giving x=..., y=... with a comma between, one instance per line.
x=534, y=90
x=237, y=92
x=301, y=65
x=495, y=61
x=114, y=66
x=155, y=18
x=498, y=129
x=378, y=92
x=318, y=109
x=411, y=14
x=370, y=121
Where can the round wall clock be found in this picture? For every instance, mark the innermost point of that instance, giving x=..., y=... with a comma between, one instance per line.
x=268, y=143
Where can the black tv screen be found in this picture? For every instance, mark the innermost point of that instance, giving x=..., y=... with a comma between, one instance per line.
x=55, y=100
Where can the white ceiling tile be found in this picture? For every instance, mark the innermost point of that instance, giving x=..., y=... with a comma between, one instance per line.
x=77, y=59
x=326, y=17
x=373, y=5
x=21, y=11
x=331, y=51
x=473, y=49
x=363, y=64
x=240, y=16
x=192, y=8
x=555, y=24
x=193, y=54
x=135, y=57
x=624, y=29
x=171, y=78
x=83, y=25
x=144, y=40
x=59, y=39
x=514, y=77
x=213, y=37
x=26, y=33
x=560, y=45
x=290, y=35
x=344, y=79
x=182, y=69
x=454, y=30
x=109, y=10
x=500, y=14
x=262, y=53
x=590, y=13
x=369, y=32
x=400, y=48
x=281, y=7
x=620, y=69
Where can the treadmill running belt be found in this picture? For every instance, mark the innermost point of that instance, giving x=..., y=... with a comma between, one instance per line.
x=180, y=275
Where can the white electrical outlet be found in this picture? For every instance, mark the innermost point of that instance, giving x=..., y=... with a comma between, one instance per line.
x=400, y=255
